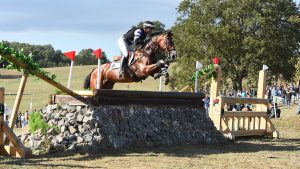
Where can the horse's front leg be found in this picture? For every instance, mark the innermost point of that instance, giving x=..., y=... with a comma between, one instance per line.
x=149, y=69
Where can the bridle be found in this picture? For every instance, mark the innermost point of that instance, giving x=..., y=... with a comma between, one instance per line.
x=169, y=46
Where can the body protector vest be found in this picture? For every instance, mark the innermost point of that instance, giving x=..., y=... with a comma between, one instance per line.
x=129, y=36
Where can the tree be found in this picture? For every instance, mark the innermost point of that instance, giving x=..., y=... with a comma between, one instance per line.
x=244, y=35
x=47, y=56
x=86, y=57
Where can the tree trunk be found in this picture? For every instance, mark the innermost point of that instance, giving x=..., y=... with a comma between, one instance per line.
x=237, y=81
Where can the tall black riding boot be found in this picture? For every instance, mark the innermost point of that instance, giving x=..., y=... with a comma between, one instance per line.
x=124, y=61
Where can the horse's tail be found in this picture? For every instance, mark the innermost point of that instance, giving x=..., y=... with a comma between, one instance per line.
x=87, y=80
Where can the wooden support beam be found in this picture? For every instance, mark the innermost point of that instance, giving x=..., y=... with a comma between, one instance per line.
x=242, y=100
x=18, y=100
x=45, y=78
x=244, y=114
x=14, y=140
x=84, y=92
x=249, y=132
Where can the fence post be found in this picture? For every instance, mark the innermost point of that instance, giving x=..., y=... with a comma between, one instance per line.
x=261, y=89
x=214, y=93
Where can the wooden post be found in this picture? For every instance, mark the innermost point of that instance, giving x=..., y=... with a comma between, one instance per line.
x=15, y=110
x=214, y=92
x=261, y=94
x=2, y=91
x=261, y=89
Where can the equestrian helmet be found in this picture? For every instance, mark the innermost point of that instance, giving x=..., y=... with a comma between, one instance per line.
x=148, y=24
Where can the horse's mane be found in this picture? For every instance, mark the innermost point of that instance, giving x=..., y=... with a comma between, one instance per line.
x=156, y=33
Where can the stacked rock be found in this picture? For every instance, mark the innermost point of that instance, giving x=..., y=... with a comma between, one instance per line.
x=90, y=129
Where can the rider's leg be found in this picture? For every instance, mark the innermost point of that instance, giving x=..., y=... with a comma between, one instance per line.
x=124, y=47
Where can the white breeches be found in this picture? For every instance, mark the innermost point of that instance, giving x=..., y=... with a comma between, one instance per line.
x=124, y=47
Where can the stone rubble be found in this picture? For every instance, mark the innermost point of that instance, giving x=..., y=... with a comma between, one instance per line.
x=91, y=129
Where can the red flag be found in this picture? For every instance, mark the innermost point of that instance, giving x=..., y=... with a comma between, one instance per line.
x=70, y=55
x=97, y=52
x=216, y=60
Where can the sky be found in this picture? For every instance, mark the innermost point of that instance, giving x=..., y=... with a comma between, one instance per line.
x=80, y=24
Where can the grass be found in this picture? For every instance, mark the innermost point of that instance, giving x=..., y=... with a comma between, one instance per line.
x=37, y=91
x=253, y=152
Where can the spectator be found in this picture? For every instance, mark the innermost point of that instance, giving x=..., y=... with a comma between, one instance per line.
x=27, y=115
x=252, y=91
x=288, y=97
x=297, y=92
x=293, y=94
x=206, y=104
x=274, y=93
x=298, y=111
x=17, y=122
x=19, y=116
x=23, y=121
x=283, y=97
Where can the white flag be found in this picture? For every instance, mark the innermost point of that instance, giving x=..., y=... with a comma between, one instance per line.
x=198, y=65
x=265, y=67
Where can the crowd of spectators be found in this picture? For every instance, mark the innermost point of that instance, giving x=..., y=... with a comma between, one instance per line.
x=22, y=119
x=278, y=95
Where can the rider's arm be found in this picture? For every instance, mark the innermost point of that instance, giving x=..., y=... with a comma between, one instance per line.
x=137, y=37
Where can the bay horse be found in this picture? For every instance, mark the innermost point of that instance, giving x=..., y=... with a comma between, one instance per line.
x=142, y=63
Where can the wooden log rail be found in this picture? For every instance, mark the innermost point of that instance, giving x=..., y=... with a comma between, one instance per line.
x=243, y=123
x=45, y=78
x=121, y=97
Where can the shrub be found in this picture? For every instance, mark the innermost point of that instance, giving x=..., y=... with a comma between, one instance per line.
x=37, y=122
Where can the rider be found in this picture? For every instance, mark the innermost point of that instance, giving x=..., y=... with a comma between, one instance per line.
x=135, y=36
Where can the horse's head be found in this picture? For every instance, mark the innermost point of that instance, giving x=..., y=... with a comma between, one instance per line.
x=165, y=44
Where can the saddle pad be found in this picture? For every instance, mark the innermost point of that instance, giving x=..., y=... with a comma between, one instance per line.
x=115, y=65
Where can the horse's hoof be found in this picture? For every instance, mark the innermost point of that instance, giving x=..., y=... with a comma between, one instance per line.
x=166, y=81
x=157, y=75
x=161, y=63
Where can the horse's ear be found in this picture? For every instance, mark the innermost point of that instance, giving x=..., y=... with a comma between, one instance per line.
x=169, y=34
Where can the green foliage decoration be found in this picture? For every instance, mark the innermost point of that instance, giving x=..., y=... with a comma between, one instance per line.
x=37, y=122
x=32, y=66
x=208, y=71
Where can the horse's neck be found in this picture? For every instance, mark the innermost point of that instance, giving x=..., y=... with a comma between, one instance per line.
x=150, y=48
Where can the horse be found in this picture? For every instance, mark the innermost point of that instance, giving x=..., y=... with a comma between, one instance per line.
x=142, y=63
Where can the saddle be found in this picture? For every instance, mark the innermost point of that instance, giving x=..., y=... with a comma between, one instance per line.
x=131, y=60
